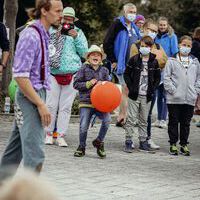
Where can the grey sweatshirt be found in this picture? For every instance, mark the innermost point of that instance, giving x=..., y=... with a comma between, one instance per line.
x=182, y=85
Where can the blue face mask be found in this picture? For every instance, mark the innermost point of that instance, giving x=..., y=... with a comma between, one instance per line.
x=131, y=17
x=152, y=35
x=144, y=50
x=141, y=34
x=185, y=50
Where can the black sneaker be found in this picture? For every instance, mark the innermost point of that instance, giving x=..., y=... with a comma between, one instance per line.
x=80, y=152
x=100, y=148
x=128, y=146
x=144, y=146
x=173, y=150
x=184, y=150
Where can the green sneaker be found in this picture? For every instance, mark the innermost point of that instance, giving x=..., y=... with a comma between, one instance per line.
x=184, y=150
x=173, y=150
x=80, y=152
x=100, y=148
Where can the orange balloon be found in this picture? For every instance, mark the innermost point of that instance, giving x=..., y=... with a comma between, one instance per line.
x=105, y=97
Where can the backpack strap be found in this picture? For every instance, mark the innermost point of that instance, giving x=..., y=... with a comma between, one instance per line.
x=42, y=72
x=137, y=45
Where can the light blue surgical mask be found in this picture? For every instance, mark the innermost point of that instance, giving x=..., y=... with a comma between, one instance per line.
x=185, y=50
x=144, y=50
x=131, y=17
x=141, y=34
x=152, y=35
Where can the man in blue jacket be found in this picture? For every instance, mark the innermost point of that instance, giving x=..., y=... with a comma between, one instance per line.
x=117, y=43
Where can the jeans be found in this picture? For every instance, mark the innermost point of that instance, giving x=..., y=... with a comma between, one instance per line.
x=149, y=116
x=180, y=116
x=85, y=119
x=161, y=103
x=26, y=142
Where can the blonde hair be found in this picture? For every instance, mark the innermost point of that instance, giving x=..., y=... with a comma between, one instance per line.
x=185, y=37
x=148, y=22
x=27, y=185
x=196, y=34
x=170, y=30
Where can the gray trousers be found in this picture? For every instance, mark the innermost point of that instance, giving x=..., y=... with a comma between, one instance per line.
x=26, y=142
x=137, y=113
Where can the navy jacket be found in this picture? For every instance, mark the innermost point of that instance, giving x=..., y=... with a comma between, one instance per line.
x=133, y=73
x=196, y=48
x=85, y=74
x=4, y=42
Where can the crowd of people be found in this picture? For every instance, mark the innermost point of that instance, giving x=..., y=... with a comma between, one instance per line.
x=53, y=62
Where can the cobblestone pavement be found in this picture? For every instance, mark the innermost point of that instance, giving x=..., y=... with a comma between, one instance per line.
x=136, y=176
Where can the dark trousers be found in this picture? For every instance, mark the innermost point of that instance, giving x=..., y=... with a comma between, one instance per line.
x=180, y=116
x=161, y=103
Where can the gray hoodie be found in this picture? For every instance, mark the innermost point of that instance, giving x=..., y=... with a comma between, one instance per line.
x=182, y=85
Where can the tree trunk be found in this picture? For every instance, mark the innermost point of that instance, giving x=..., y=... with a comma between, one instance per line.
x=10, y=14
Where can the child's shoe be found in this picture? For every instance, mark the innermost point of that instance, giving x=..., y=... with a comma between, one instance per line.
x=173, y=150
x=80, y=152
x=128, y=146
x=184, y=150
x=100, y=148
x=152, y=145
x=144, y=146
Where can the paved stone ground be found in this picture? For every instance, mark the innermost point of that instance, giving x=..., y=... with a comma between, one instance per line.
x=136, y=176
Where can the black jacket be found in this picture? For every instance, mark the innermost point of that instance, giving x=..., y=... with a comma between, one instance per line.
x=108, y=44
x=133, y=72
x=196, y=48
x=4, y=42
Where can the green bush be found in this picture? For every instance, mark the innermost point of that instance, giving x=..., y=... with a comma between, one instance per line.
x=75, y=106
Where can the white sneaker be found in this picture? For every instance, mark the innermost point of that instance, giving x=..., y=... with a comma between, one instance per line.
x=152, y=145
x=156, y=123
x=61, y=142
x=163, y=124
x=49, y=140
x=133, y=145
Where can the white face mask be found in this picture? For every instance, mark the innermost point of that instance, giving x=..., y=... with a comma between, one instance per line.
x=152, y=35
x=144, y=50
x=131, y=17
x=185, y=50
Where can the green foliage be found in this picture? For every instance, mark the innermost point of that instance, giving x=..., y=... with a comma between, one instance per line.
x=96, y=16
x=75, y=106
x=183, y=15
